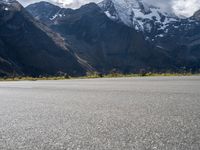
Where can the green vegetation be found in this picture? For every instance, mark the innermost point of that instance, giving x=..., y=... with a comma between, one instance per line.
x=93, y=75
x=118, y=75
x=33, y=78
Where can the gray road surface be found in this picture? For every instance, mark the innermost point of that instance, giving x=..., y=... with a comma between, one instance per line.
x=127, y=113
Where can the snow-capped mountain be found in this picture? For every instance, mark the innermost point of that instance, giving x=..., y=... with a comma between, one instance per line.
x=137, y=14
x=164, y=29
x=125, y=35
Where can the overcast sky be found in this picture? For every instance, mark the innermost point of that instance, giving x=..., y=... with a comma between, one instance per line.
x=180, y=7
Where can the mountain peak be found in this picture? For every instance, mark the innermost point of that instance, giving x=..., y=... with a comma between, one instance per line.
x=136, y=13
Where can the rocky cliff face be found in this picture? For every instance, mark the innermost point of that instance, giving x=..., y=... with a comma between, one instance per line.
x=30, y=48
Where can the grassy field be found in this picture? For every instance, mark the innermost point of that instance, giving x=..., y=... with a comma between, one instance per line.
x=95, y=75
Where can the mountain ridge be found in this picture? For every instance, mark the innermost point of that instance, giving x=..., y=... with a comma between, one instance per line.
x=54, y=39
x=163, y=43
x=31, y=48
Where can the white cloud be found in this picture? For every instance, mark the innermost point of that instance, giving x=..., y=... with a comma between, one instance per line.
x=74, y=3
x=66, y=3
x=185, y=7
x=179, y=7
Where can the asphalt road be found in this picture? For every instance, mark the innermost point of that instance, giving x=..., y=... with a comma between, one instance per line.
x=126, y=113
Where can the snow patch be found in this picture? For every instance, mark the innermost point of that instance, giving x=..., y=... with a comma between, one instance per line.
x=109, y=15
x=138, y=14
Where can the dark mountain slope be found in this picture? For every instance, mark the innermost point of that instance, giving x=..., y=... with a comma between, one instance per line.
x=182, y=39
x=103, y=43
x=196, y=15
x=164, y=29
x=30, y=48
x=39, y=11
